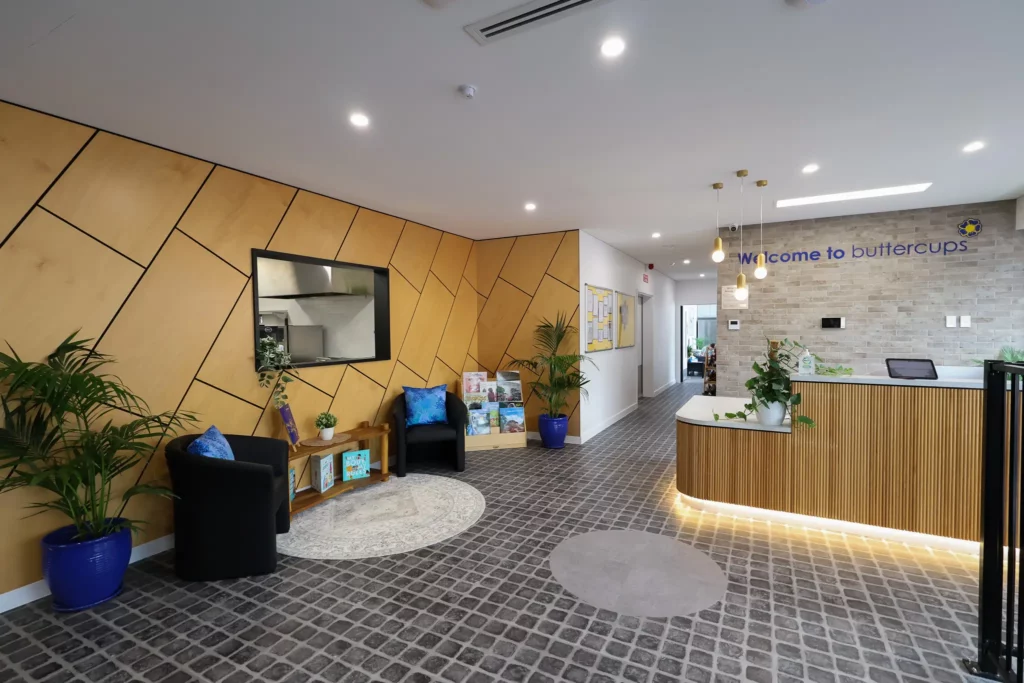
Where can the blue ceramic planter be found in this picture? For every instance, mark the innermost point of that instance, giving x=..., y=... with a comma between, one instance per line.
x=82, y=574
x=552, y=430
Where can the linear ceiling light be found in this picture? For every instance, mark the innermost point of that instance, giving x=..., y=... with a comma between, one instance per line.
x=859, y=194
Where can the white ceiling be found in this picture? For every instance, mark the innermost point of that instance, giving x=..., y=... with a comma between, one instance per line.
x=878, y=92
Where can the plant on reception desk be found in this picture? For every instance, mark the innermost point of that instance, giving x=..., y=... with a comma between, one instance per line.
x=832, y=370
x=73, y=431
x=558, y=375
x=1007, y=354
x=771, y=390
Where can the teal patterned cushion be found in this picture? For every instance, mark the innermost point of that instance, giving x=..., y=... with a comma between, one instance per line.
x=425, y=406
x=212, y=444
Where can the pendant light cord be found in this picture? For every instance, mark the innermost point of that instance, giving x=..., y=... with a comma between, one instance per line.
x=741, y=223
x=718, y=209
x=762, y=220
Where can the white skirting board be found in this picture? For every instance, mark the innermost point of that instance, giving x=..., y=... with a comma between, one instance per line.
x=589, y=434
x=34, y=591
x=569, y=439
x=663, y=388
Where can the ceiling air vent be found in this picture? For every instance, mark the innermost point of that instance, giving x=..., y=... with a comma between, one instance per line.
x=525, y=17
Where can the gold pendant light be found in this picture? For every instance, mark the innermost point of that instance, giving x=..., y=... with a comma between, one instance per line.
x=718, y=254
x=742, y=292
x=761, y=271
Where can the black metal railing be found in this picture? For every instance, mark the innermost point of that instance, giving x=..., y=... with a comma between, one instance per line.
x=1000, y=637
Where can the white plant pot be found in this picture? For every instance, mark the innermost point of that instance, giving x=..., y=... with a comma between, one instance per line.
x=327, y=434
x=771, y=415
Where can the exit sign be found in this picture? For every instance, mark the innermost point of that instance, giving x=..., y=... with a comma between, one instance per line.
x=646, y=279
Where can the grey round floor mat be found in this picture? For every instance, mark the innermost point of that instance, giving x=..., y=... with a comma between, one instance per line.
x=637, y=573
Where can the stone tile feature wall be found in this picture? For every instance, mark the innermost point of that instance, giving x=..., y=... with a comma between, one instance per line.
x=894, y=305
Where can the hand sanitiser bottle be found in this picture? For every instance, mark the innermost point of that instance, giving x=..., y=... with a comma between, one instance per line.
x=806, y=364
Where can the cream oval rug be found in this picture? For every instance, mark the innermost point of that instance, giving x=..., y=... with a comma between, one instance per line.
x=397, y=516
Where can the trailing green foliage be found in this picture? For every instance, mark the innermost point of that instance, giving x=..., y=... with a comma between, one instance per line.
x=771, y=382
x=273, y=361
x=325, y=421
x=833, y=370
x=557, y=372
x=59, y=435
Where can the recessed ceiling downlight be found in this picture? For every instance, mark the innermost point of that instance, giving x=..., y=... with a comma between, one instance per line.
x=530, y=206
x=702, y=274
x=686, y=261
x=811, y=168
x=613, y=46
x=359, y=120
x=655, y=235
x=974, y=146
x=859, y=194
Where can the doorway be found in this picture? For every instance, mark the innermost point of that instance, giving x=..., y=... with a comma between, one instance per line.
x=698, y=325
x=640, y=343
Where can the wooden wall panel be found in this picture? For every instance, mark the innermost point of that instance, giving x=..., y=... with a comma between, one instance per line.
x=899, y=457
x=415, y=253
x=425, y=330
x=180, y=319
x=551, y=299
x=213, y=406
x=498, y=323
x=34, y=149
x=357, y=400
x=458, y=331
x=404, y=298
x=486, y=260
x=56, y=280
x=235, y=213
x=126, y=194
x=372, y=239
x=450, y=260
x=565, y=266
x=529, y=259
x=314, y=226
x=171, y=320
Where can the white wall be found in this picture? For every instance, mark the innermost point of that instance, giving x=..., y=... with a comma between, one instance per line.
x=690, y=293
x=613, y=384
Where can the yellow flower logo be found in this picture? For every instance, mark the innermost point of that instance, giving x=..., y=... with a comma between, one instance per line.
x=970, y=227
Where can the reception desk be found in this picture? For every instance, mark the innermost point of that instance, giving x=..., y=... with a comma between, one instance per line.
x=903, y=455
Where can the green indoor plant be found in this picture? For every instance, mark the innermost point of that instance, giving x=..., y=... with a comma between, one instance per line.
x=771, y=390
x=326, y=422
x=1007, y=354
x=74, y=432
x=558, y=375
x=272, y=361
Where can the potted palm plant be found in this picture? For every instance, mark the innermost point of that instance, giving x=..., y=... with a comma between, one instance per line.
x=557, y=374
x=75, y=432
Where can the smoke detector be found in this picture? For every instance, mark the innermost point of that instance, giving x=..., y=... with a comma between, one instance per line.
x=467, y=91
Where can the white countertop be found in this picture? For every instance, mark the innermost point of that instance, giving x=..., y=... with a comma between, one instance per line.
x=700, y=410
x=950, y=377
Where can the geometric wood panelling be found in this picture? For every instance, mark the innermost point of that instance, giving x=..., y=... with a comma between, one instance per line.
x=415, y=252
x=184, y=334
x=551, y=299
x=401, y=377
x=450, y=260
x=213, y=406
x=126, y=194
x=372, y=238
x=234, y=213
x=55, y=280
x=306, y=403
x=565, y=266
x=498, y=323
x=357, y=400
x=171, y=320
x=315, y=226
x=404, y=298
x=461, y=324
x=529, y=259
x=425, y=330
x=442, y=374
x=485, y=261
x=34, y=149
x=231, y=363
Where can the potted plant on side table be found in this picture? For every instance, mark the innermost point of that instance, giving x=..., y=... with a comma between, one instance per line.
x=557, y=374
x=771, y=389
x=73, y=431
x=326, y=422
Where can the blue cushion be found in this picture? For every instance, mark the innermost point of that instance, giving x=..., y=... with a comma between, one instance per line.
x=425, y=406
x=212, y=444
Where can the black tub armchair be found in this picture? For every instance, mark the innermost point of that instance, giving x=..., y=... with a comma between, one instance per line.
x=227, y=513
x=448, y=439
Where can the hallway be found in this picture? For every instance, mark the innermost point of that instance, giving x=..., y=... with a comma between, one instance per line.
x=479, y=607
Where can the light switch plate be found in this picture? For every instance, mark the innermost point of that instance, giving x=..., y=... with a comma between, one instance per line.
x=950, y=321
x=734, y=324
x=965, y=321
